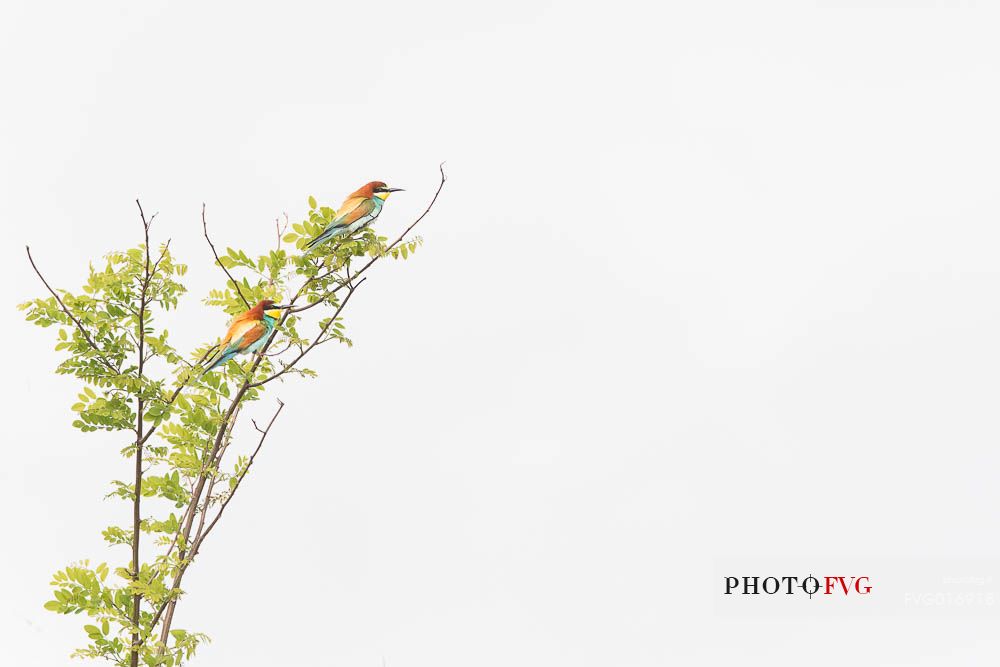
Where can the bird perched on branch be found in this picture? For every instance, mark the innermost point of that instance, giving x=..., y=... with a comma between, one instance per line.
x=247, y=333
x=358, y=210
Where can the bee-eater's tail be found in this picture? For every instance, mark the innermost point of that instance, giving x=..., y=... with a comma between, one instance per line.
x=331, y=232
x=316, y=241
x=221, y=359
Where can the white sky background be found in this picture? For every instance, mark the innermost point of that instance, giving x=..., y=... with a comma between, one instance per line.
x=708, y=281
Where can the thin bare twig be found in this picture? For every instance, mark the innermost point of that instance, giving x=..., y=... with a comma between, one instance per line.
x=281, y=351
x=236, y=285
x=79, y=325
x=281, y=229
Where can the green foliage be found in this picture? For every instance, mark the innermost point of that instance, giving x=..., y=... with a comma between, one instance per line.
x=179, y=420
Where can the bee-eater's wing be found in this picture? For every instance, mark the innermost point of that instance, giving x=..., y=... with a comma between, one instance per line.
x=353, y=210
x=233, y=341
x=237, y=326
x=247, y=333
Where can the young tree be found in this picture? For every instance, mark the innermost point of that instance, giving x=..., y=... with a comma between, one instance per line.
x=179, y=420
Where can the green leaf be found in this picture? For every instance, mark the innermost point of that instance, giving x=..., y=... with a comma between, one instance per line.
x=312, y=202
x=53, y=605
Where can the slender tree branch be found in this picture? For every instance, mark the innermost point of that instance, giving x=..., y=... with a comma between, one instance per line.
x=139, y=439
x=172, y=604
x=236, y=285
x=215, y=468
x=243, y=473
x=173, y=543
x=186, y=561
x=145, y=223
x=70, y=315
x=163, y=253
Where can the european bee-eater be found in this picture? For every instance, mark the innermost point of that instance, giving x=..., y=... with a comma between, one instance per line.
x=247, y=333
x=358, y=210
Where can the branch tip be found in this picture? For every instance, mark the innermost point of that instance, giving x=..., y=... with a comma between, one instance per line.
x=236, y=285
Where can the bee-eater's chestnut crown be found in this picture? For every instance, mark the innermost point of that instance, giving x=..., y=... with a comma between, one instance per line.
x=375, y=189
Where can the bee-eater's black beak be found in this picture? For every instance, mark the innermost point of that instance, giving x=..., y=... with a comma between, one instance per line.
x=394, y=190
x=280, y=307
